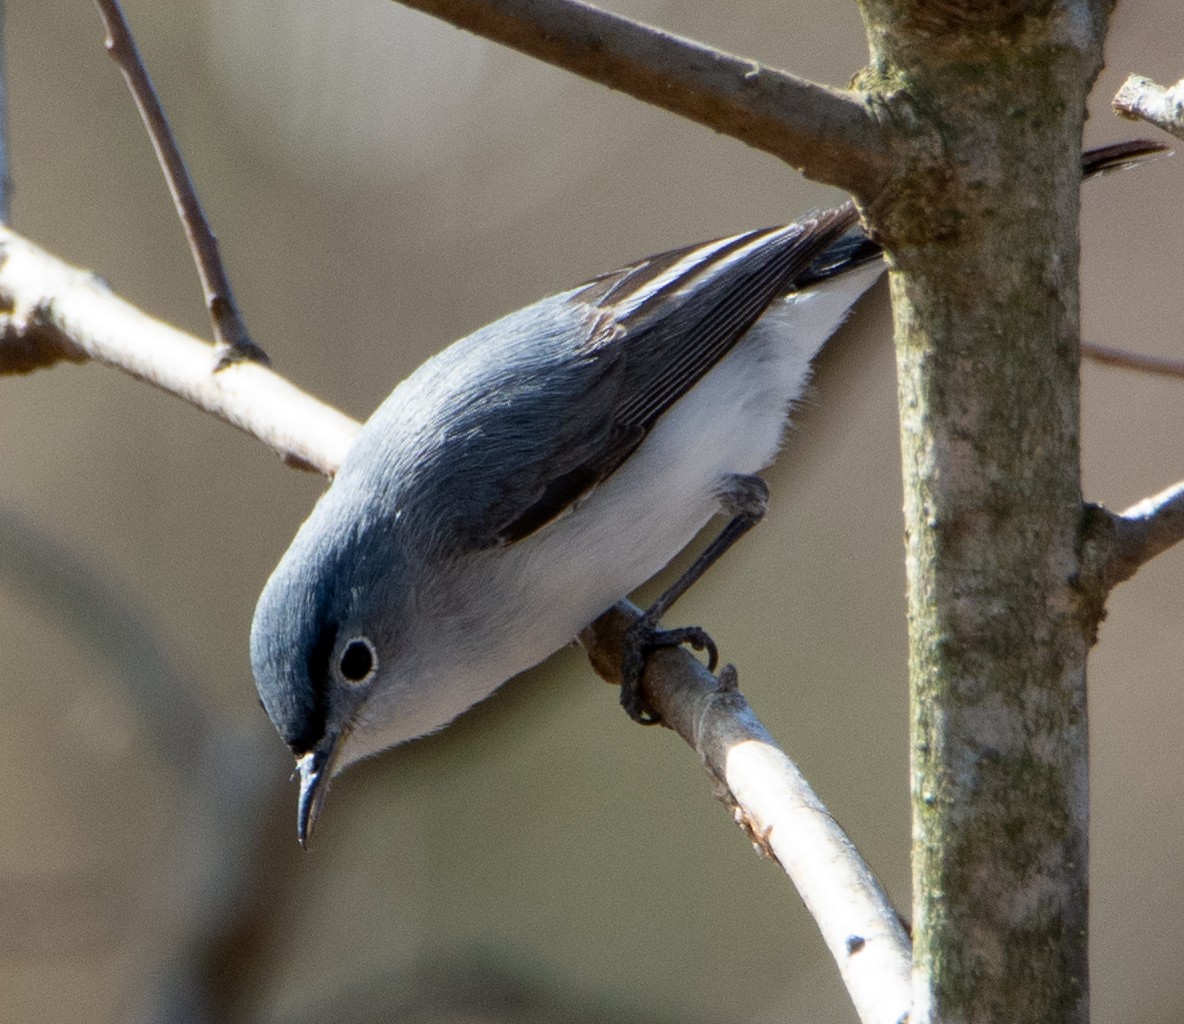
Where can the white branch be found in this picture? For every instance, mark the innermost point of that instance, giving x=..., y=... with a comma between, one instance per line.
x=772, y=801
x=1145, y=530
x=1141, y=99
x=56, y=311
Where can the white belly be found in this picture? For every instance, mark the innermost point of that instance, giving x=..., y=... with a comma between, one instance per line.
x=554, y=582
x=517, y=605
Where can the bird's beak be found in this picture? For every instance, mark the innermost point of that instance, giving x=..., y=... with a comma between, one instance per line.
x=315, y=769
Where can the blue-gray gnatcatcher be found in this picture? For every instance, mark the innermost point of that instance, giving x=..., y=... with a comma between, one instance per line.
x=526, y=478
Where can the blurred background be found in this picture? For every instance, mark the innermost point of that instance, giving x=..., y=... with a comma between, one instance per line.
x=382, y=184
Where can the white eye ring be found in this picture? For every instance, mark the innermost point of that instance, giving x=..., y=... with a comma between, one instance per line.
x=358, y=662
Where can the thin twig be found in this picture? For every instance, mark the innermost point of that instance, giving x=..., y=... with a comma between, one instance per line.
x=1110, y=356
x=828, y=134
x=60, y=312
x=233, y=342
x=1143, y=531
x=1142, y=99
x=771, y=800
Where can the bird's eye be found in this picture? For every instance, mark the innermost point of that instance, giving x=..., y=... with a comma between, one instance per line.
x=359, y=661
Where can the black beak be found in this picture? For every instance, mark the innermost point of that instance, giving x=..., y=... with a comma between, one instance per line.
x=315, y=769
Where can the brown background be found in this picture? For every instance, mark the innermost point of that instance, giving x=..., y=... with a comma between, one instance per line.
x=383, y=184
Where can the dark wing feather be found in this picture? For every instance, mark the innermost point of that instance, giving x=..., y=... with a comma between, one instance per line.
x=512, y=426
x=655, y=328
x=660, y=324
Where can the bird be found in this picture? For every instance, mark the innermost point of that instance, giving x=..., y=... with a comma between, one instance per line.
x=527, y=477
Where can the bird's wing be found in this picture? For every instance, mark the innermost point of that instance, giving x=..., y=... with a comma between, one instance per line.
x=518, y=422
x=546, y=404
x=657, y=328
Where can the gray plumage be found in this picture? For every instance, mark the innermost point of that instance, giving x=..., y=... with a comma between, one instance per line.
x=524, y=479
x=452, y=539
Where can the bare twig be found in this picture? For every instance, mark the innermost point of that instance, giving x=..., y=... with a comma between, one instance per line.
x=826, y=133
x=1110, y=356
x=234, y=344
x=55, y=311
x=1143, y=531
x=773, y=803
x=1141, y=99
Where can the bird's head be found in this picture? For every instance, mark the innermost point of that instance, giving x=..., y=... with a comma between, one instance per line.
x=334, y=668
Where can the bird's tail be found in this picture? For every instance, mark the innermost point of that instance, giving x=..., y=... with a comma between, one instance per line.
x=854, y=248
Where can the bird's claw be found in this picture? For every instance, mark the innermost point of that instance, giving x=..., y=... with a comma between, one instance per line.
x=644, y=637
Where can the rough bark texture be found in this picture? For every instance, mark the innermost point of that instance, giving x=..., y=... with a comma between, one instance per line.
x=981, y=224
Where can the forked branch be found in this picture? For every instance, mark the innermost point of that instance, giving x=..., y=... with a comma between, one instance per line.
x=54, y=311
x=230, y=330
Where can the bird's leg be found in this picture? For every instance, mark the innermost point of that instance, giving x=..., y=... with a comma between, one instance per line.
x=745, y=499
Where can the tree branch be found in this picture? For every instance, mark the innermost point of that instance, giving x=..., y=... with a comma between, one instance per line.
x=1141, y=99
x=1123, y=542
x=1110, y=356
x=230, y=329
x=773, y=803
x=53, y=311
x=827, y=134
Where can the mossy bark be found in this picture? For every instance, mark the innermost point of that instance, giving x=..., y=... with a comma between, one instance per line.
x=988, y=103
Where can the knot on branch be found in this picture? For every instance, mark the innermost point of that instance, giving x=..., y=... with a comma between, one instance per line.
x=29, y=341
x=1096, y=550
x=23, y=350
x=1113, y=546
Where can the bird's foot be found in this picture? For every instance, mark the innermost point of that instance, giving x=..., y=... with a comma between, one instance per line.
x=643, y=638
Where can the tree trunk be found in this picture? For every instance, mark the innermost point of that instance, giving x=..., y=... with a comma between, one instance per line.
x=982, y=227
